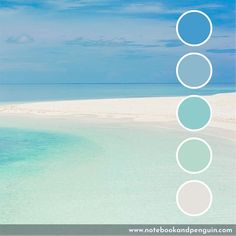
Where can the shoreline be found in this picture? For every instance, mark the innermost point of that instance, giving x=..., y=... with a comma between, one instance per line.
x=151, y=110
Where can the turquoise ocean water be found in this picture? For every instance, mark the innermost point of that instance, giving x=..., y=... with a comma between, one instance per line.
x=60, y=170
x=45, y=92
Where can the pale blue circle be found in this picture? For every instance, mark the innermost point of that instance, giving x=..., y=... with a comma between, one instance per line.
x=194, y=113
x=194, y=70
x=194, y=28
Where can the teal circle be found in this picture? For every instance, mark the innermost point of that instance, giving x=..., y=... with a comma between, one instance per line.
x=194, y=113
x=194, y=70
x=194, y=155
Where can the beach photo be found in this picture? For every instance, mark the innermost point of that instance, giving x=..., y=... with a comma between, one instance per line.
x=89, y=101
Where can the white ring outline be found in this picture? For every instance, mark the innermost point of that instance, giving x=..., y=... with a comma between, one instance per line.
x=177, y=112
x=210, y=151
x=198, y=44
x=194, y=181
x=199, y=86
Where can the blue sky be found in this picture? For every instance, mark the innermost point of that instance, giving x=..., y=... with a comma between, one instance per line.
x=107, y=41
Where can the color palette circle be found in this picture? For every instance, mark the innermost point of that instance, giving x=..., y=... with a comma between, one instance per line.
x=194, y=155
x=194, y=198
x=194, y=70
x=194, y=28
x=194, y=113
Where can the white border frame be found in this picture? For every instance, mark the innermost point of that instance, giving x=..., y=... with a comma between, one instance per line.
x=195, y=54
x=194, y=181
x=177, y=112
x=210, y=151
x=209, y=35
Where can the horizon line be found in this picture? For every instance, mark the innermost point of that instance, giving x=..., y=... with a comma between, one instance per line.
x=230, y=83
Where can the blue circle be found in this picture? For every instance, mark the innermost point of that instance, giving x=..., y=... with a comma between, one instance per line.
x=194, y=28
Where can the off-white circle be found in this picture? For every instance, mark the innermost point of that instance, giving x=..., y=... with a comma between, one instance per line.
x=197, y=198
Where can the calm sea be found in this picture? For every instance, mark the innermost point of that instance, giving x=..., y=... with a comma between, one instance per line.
x=50, y=92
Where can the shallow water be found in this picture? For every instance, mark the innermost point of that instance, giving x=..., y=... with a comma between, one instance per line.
x=105, y=173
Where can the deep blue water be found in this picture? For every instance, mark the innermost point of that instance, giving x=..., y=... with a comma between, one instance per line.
x=50, y=92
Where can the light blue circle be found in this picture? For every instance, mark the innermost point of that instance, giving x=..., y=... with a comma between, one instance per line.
x=194, y=113
x=194, y=71
x=194, y=28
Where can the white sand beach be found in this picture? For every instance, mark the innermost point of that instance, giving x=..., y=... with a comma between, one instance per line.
x=156, y=109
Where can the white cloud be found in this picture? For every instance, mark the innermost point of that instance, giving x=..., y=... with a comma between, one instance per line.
x=111, y=42
x=71, y=4
x=21, y=39
x=143, y=8
x=162, y=8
